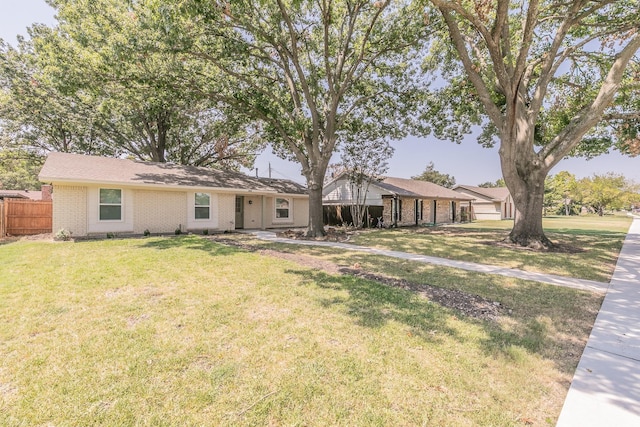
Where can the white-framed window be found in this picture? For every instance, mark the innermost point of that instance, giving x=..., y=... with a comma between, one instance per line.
x=202, y=206
x=110, y=204
x=283, y=208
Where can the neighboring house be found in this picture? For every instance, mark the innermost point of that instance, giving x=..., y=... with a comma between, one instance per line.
x=43, y=194
x=97, y=195
x=402, y=202
x=488, y=203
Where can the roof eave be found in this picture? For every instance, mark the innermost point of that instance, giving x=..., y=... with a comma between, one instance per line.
x=156, y=185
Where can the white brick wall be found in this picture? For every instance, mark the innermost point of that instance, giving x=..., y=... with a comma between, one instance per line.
x=162, y=211
x=159, y=211
x=301, y=212
x=227, y=211
x=70, y=209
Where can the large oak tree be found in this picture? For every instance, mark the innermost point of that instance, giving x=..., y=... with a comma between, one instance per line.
x=310, y=72
x=549, y=78
x=100, y=83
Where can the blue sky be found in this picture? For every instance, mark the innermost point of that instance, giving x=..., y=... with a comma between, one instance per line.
x=468, y=162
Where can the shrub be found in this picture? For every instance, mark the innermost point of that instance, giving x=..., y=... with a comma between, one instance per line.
x=63, y=235
x=146, y=232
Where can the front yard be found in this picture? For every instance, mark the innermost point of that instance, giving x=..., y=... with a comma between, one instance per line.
x=188, y=331
x=588, y=246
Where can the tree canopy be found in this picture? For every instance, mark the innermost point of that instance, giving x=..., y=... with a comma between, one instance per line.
x=311, y=73
x=430, y=174
x=547, y=78
x=493, y=184
x=19, y=169
x=609, y=191
x=562, y=194
x=99, y=83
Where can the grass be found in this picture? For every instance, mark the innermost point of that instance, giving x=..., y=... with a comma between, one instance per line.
x=594, y=241
x=184, y=331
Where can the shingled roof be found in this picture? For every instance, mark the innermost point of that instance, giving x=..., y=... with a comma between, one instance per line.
x=497, y=194
x=78, y=168
x=21, y=194
x=419, y=189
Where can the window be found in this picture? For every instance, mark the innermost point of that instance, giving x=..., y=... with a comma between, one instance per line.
x=110, y=204
x=203, y=206
x=282, y=208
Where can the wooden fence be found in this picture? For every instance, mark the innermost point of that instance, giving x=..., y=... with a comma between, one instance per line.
x=24, y=217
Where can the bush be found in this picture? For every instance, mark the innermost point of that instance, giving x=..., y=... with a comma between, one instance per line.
x=146, y=232
x=178, y=231
x=62, y=235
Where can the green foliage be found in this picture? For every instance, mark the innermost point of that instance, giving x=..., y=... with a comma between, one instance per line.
x=63, y=235
x=498, y=183
x=19, y=169
x=38, y=111
x=311, y=73
x=610, y=191
x=579, y=64
x=104, y=82
x=546, y=79
x=562, y=194
x=430, y=174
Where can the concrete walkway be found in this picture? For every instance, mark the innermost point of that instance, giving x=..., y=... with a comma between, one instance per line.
x=588, y=285
x=605, y=390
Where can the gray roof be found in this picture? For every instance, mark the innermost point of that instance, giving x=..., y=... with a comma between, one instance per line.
x=21, y=194
x=419, y=189
x=78, y=168
x=497, y=194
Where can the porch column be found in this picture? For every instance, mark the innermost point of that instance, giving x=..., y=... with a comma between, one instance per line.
x=262, y=211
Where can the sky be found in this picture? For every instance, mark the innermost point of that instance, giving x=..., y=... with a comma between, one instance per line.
x=468, y=162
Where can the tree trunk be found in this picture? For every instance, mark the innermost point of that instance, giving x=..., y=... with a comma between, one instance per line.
x=316, y=223
x=526, y=184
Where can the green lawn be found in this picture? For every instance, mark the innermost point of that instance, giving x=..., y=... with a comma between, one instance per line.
x=185, y=331
x=590, y=244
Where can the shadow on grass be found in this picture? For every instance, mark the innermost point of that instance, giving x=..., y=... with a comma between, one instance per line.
x=191, y=242
x=373, y=304
x=539, y=320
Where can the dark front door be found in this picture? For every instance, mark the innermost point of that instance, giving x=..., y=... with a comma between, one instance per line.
x=239, y=212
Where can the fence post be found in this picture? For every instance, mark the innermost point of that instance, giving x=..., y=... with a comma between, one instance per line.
x=3, y=232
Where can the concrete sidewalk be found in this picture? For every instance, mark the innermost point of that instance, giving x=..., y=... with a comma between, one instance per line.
x=605, y=390
x=587, y=285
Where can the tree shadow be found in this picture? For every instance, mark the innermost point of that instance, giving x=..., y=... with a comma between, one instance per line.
x=191, y=242
x=373, y=305
x=535, y=330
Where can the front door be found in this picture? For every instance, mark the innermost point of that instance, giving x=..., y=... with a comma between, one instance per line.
x=239, y=211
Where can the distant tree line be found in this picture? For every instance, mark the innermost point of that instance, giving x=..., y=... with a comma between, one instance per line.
x=566, y=195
